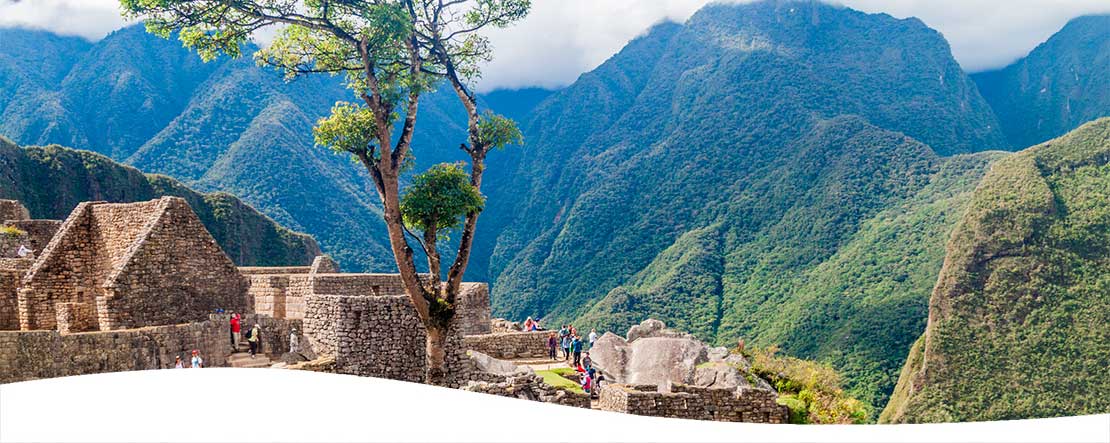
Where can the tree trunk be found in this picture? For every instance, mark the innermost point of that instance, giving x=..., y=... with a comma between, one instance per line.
x=436, y=347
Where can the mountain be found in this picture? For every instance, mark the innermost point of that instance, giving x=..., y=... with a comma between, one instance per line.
x=227, y=125
x=1060, y=85
x=1018, y=320
x=52, y=180
x=719, y=174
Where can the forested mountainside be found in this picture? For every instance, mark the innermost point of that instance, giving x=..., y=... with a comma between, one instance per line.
x=52, y=180
x=1060, y=85
x=784, y=171
x=1018, y=319
x=708, y=169
x=227, y=125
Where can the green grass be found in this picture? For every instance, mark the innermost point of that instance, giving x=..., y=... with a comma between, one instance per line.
x=557, y=377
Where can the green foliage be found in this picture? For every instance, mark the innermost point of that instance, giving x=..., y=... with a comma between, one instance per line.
x=810, y=390
x=11, y=231
x=497, y=131
x=439, y=198
x=350, y=128
x=1017, y=319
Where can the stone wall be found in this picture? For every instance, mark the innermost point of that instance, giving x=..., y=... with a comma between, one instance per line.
x=374, y=336
x=37, y=235
x=75, y=317
x=510, y=345
x=11, y=272
x=472, y=309
x=139, y=264
x=530, y=387
x=273, y=270
x=31, y=355
x=280, y=295
x=743, y=404
x=13, y=210
x=175, y=273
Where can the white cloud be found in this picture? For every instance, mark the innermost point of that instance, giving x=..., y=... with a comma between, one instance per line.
x=563, y=38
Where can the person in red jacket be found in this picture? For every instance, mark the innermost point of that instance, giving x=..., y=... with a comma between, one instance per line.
x=235, y=328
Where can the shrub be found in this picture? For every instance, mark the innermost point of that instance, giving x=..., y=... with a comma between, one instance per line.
x=11, y=231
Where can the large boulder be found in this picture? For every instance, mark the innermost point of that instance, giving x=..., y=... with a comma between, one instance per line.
x=610, y=355
x=662, y=360
x=494, y=366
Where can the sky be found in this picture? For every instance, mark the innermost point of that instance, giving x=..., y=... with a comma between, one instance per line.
x=561, y=39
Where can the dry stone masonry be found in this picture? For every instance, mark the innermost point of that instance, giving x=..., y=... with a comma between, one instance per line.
x=747, y=404
x=373, y=336
x=510, y=345
x=136, y=264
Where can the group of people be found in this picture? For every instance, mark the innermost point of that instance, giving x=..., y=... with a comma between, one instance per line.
x=570, y=342
x=574, y=346
x=195, y=362
x=254, y=335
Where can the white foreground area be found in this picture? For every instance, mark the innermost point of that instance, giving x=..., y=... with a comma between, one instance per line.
x=244, y=405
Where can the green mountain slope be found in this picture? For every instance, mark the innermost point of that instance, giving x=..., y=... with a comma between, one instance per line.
x=226, y=125
x=1018, y=320
x=1060, y=85
x=714, y=165
x=247, y=236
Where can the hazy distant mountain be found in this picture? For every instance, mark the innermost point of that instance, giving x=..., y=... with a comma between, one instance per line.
x=1060, y=85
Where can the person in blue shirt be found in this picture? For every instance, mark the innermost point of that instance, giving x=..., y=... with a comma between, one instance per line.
x=576, y=348
x=566, y=347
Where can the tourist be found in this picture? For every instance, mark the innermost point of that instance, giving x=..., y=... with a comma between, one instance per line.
x=196, y=362
x=177, y=363
x=587, y=362
x=253, y=339
x=593, y=337
x=552, y=344
x=294, y=342
x=24, y=251
x=566, y=347
x=529, y=325
x=576, y=348
x=235, y=332
x=586, y=383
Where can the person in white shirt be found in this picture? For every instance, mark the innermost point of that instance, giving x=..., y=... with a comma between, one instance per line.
x=196, y=362
x=24, y=251
x=593, y=337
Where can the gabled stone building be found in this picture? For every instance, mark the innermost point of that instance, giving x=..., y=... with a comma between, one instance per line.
x=129, y=265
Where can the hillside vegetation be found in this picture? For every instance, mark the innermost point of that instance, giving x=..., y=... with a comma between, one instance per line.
x=1018, y=319
x=52, y=180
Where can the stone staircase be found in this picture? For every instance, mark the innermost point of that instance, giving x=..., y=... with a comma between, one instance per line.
x=241, y=358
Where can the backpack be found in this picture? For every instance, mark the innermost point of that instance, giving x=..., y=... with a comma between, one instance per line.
x=249, y=331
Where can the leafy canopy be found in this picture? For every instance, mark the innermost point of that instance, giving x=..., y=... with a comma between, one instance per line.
x=439, y=198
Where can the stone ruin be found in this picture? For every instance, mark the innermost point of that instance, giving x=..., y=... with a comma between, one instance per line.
x=119, y=287
x=658, y=371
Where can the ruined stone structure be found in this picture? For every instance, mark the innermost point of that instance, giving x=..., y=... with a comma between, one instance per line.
x=13, y=210
x=11, y=272
x=133, y=265
x=510, y=345
x=30, y=355
x=743, y=404
x=374, y=336
x=281, y=291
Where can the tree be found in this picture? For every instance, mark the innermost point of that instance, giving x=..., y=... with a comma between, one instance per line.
x=391, y=52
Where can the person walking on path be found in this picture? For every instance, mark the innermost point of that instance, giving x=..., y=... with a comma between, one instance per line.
x=587, y=362
x=236, y=328
x=552, y=343
x=593, y=337
x=177, y=363
x=253, y=338
x=576, y=348
x=196, y=362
